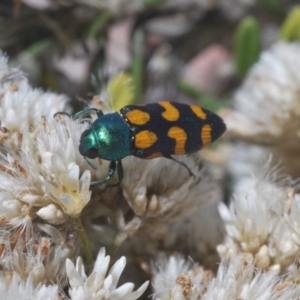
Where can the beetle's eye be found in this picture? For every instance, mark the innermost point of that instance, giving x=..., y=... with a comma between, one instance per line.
x=91, y=153
x=85, y=133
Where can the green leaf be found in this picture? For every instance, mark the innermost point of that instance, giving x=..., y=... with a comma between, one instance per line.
x=121, y=90
x=38, y=47
x=290, y=29
x=204, y=99
x=247, y=45
x=98, y=24
x=272, y=6
x=137, y=68
x=151, y=3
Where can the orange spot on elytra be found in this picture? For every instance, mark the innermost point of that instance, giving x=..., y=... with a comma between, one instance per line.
x=206, y=135
x=171, y=113
x=137, y=117
x=145, y=139
x=180, y=137
x=154, y=155
x=198, y=111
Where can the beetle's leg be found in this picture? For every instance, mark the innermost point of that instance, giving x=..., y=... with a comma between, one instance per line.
x=120, y=173
x=181, y=163
x=62, y=113
x=82, y=112
x=87, y=111
x=111, y=171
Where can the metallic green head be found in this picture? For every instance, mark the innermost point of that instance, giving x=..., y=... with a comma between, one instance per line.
x=108, y=137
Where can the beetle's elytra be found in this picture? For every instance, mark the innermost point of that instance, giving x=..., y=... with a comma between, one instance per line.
x=147, y=131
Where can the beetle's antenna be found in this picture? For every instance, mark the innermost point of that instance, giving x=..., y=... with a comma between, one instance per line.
x=89, y=163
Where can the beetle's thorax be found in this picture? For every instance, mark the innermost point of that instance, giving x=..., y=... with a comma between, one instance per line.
x=112, y=136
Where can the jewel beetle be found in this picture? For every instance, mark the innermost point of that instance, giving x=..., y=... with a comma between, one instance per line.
x=148, y=131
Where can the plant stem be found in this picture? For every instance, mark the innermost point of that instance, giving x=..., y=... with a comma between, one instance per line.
x=84, y=241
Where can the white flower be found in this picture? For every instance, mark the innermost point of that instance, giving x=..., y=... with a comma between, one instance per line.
x=19, y=288
x=39, y=162
x=268, y=99
x=41, y=258
x=238, y=279
x=292, y=218
x=155, y=200
x=59, y=171
x=255, y=224
x=175, y=277
x=22, y=107
x=98, y=285
x=45, y=175
x=267, y=106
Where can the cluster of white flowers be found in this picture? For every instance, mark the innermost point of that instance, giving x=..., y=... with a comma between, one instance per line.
x=45, y=190
x=267, y=106
x=24, y=289
x=174, y=278
x=97, y=286
x=262, y=236
x=257, y=220
x=44, y=186
x=237, y=278
x=155, y=201
x=39, y=161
